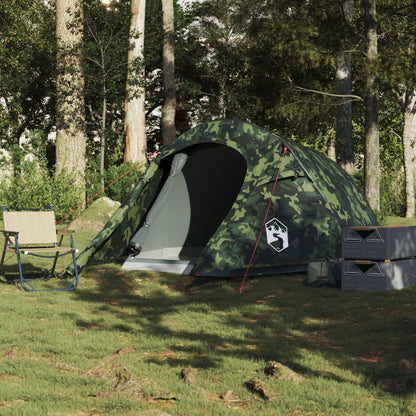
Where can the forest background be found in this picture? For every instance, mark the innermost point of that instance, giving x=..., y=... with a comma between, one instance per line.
x=337, y=76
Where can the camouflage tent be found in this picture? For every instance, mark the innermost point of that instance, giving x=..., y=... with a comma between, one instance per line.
x=200, y=206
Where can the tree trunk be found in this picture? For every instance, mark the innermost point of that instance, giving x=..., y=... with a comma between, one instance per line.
x=372, y=149
x=344, y=148
x=135, y=118
x=331, y=153
x=409, y=142
x=70, y=117
x=103, y=139
x=169, y=105
x=103, y=117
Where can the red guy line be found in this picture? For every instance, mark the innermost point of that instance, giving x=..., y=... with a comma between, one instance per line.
x=264, y=221
x=105, y=188
x=98, y=193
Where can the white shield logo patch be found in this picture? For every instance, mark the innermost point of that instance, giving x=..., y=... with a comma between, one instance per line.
x=277, y=235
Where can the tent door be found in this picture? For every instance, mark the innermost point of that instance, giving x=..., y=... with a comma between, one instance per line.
x=194, y=200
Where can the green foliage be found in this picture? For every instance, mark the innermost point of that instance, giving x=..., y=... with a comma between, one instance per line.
x=391, y=125
x=397, y=60
x=33, y=187
x=300, y=57
x=105, y=69
x=106, y=46
x=391, y=193
x=212, y=63
x=255, y=60
x=122, y=179
x=27, y=67
x=126, y=178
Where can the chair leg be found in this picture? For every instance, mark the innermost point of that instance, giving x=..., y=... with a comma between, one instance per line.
x=3, y=255
x=29, y=287
x=75, y=281
x=56, y=257
x=25, y=283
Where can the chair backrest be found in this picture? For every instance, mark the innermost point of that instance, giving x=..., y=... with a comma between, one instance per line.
x=34, y=227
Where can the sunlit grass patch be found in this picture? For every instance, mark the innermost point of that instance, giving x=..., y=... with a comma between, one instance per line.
x=122, y=342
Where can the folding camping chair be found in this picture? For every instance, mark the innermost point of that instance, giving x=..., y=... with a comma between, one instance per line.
x=34, y=232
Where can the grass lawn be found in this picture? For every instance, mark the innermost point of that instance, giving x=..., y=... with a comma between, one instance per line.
x=141, y=343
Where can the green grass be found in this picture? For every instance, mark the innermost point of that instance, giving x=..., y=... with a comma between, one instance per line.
x=118, y=343
x=399, y=221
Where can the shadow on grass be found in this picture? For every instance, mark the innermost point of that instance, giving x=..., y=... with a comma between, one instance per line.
x=37, y=278
x=202, y=324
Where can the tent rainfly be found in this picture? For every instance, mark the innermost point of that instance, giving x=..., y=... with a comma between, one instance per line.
x=200, y=207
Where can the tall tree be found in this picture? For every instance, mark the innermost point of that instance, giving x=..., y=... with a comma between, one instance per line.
x=27, y=72
x=409, y=146
x=214, y=64
x=135, y=116
x=292, y=45
x=169, y=104
x=70, y=123
x=398, y=61
x=372, y=134
x=344, y=143
x=105, y=45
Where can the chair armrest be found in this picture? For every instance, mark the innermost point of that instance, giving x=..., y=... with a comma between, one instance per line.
x=9, y=233
x=64, y=232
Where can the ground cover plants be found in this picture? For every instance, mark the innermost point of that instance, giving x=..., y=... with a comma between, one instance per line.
x=142, y=343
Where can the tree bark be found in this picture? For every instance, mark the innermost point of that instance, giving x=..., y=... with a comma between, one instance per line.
x=344, y=148
x=135, y=117
x=409, y=142
x=169, y=105
x=331, y=153
x=103, y=140
x=70, y=123
x=372, y=149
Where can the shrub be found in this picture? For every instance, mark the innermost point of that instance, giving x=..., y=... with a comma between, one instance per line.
x=119, y=176
x=120, y=189
x=392, y=191
x=392, y=202
x=33, y=187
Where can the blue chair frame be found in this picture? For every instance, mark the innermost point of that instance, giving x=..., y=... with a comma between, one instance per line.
x=33, y=232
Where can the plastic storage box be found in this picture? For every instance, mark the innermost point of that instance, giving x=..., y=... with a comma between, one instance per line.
x=378, y=242
x=375, y=275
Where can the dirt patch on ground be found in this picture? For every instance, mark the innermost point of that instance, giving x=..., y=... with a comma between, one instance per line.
x=124, y=381
x=96, y=215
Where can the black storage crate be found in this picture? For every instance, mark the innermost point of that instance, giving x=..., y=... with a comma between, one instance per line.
x=378, y=242
x=373, y=275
